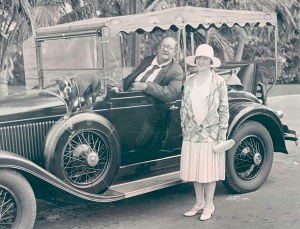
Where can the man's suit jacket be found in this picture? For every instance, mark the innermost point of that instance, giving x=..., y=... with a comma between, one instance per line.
x=166, y=85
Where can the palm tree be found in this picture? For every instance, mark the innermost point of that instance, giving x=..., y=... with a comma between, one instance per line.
x=287, y=24
x=283, y=9
x=19, y=20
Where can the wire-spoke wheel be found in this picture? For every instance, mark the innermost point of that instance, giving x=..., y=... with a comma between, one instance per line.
x=17, y=201
x=8, y=208
x=249, y=158
x=84, y=151
x=249, y=162
x=85, y=157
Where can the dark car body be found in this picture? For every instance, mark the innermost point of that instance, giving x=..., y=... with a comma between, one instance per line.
x=130, y=143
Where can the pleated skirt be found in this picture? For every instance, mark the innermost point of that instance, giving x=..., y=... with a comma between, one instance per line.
x=200, y=163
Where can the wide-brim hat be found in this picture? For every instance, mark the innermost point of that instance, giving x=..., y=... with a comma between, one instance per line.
x=207, y=51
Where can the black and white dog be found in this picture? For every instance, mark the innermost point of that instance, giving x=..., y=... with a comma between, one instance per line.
x=84, y=85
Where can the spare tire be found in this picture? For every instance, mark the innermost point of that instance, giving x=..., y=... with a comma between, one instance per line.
x=84, y=151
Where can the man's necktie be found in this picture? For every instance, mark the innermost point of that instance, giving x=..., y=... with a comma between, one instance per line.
x=148, y=73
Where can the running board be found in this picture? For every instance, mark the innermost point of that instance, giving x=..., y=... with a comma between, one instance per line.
x=150, y=184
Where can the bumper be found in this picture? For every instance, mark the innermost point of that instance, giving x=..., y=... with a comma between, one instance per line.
x=290, y=135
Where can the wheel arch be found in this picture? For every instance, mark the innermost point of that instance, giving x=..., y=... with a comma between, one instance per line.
x=63, y=132
x=263, y=115
x=20, y=164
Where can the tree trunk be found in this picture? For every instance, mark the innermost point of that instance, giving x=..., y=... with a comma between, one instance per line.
x=206, y=37
x=134, y=44
x=207, y=5
x=241, y=44
x=180, y=2
x=240, y=49
x=30, y=14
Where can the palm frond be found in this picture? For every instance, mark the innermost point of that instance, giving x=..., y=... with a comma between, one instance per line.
x=46, y=16
x=221, y=42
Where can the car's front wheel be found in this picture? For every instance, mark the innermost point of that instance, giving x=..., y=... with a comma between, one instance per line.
x=249, y=162
x=84, y=151
x=17, y=201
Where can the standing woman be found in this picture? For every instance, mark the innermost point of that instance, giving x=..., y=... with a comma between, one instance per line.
x=204, y=121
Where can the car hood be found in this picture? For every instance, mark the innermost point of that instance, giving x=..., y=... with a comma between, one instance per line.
x=29, y=105
x=241, y=96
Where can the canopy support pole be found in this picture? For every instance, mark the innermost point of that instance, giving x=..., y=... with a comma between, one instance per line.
x=184, y=48
x=276, y=62
x=192, y=43
x=276, y=52
x=39, y=63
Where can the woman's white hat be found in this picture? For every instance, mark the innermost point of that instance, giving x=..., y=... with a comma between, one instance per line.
x=204, y=50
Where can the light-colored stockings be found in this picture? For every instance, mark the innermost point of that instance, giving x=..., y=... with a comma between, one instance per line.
x=205, y=193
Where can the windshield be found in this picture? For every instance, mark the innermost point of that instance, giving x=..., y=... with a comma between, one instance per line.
x=63, y=58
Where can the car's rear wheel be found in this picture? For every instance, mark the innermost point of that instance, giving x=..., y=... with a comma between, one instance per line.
x=249, y=162
x=84, y=151
x=17, y=201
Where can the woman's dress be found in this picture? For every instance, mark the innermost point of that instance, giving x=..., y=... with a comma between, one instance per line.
x=198, y=160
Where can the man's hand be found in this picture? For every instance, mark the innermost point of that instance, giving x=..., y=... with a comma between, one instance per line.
x=138, y=86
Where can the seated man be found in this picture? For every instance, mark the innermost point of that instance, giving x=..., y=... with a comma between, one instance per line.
x=159, y=76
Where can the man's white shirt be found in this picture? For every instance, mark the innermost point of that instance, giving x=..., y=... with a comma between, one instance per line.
x=153, y=76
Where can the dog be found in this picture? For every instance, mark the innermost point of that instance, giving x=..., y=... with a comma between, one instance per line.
x=84, y=85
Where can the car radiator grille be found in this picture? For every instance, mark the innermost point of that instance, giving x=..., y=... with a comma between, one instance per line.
x=26, y=140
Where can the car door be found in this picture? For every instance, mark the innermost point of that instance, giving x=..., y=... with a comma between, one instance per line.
x=148, y=128
x=129, y=113
x=173, y=135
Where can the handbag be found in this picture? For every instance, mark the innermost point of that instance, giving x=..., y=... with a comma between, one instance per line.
x=223, y=146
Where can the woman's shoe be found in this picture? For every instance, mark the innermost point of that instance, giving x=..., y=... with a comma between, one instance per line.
x=195, y=210
x=207, y=213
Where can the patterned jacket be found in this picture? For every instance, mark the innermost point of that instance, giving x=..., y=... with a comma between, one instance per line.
x=215, y=124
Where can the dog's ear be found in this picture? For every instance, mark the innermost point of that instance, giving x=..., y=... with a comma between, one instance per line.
x=68, y=80
x=58, y=80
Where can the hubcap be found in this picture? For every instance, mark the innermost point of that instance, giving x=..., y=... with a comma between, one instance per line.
x=92, y=159
x=257, y=158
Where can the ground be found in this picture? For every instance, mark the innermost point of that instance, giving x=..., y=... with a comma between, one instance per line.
x=274, y=205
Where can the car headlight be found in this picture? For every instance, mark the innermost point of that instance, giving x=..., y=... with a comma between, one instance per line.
x=279, y=113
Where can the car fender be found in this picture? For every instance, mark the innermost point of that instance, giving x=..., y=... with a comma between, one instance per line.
x=19, y=163
x=241, y=112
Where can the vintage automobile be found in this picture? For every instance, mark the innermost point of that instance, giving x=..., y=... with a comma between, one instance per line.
x=130, y=143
